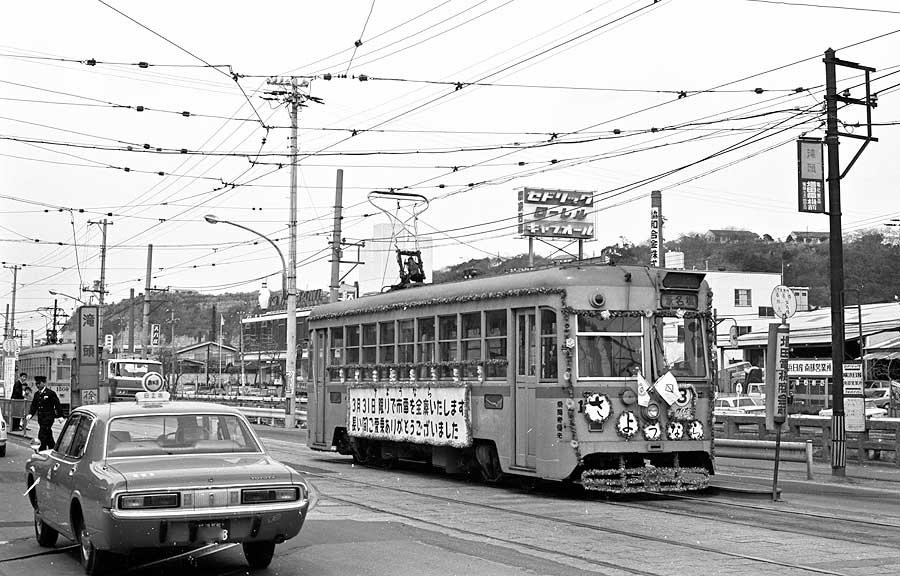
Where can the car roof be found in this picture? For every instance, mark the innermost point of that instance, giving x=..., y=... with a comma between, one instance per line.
x=116, y=409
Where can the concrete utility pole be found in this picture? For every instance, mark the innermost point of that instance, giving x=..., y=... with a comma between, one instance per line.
x=336, y=238
x=131, y=322
x=290, y=372
x=172, y=320
x=145, y=329
x=836, y=245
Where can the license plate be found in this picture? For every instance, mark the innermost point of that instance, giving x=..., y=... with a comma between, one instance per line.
x=212, y=532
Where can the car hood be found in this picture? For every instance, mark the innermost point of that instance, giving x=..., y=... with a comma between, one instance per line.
x=200, y=471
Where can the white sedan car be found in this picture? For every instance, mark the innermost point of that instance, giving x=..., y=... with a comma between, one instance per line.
x=872, y=411
x=2, y=435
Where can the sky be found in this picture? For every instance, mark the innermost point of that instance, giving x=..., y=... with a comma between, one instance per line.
x=464, y=102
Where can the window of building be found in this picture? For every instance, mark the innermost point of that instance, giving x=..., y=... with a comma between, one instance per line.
x=495, y=342
x=766, y=312
x=742, y=297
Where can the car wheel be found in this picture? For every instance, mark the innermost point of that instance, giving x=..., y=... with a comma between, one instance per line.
x=259, y=554
x=93, y=560
x=46, y=536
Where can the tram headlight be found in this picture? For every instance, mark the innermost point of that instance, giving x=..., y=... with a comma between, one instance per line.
x=651, y=411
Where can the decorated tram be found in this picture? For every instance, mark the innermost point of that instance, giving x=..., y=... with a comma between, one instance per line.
x=595, y=374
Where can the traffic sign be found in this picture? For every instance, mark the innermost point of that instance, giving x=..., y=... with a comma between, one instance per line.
x=11, y=347
x=108, y=343
x=784, y=302
x=152, y=382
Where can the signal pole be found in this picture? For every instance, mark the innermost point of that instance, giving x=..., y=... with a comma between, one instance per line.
x=836, y=245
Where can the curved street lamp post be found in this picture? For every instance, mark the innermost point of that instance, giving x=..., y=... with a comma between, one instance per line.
x=291, y=305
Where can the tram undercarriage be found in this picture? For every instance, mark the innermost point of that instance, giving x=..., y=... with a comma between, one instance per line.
x=633, y=473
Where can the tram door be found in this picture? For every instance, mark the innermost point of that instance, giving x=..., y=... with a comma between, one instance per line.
x=526, y=386
x=318, y=415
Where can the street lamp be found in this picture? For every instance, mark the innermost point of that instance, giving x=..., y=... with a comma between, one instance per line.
x=55, y=293
x=290, y=369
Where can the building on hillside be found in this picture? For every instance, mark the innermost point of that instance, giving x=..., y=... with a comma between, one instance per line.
x=728, y=236
x=807, y=237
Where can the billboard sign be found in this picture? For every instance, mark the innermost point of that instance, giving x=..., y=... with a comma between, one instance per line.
x=565, y=214
x=87, y=336
x=811, y=175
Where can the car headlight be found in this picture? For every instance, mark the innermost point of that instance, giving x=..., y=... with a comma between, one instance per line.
x=143, y=501
x=269, y=495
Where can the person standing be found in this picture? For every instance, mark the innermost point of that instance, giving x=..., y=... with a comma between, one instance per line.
x=18, y=393
x=47, y=407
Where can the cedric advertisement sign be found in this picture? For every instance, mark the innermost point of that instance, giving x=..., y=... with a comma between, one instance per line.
x=556, y=213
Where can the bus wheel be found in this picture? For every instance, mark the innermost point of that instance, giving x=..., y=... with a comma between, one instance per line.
x=488, y=462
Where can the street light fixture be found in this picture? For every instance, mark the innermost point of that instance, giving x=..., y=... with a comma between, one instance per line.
x=55, y=293
x=290, y=369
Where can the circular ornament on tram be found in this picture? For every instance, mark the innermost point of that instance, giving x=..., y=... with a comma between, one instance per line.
x=695, y=430
x=627, y=424
x=675, y=430
x=597, y=408
x=652, y=431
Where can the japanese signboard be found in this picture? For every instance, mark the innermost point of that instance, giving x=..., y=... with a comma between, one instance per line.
x=777, y=366
x=811, y=175
x=654, y=236
x=154, y=334
x=436, y=415
x=87, y=336
x=854, y=398
x=556, y=213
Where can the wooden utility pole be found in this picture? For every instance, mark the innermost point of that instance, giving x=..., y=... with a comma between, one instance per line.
x=336, y=238
x=145, y=328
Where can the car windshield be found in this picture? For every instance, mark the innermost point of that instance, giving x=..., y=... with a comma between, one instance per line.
x=158, y=435
x=134, y=369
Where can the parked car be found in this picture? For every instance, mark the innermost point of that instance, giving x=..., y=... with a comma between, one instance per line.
x=739, y=405
x=156, y=474
x=879, y=391
x=3, y=432
x=872, y=411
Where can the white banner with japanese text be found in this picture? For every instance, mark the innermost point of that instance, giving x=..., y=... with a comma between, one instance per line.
x=436, y=415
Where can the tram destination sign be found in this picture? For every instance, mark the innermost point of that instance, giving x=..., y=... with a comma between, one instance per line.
x=436, y=415
x=556, y=213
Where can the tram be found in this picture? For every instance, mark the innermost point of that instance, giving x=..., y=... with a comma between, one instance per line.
x=594, y=374
x=53, y=361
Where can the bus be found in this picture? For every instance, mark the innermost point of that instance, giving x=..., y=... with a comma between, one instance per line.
x=599, y=375
x=53, y=361
x=125, y=376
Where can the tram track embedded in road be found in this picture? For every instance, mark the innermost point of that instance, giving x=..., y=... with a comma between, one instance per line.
x=544, y=518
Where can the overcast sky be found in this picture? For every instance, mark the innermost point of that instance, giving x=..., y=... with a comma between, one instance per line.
x=466, y=101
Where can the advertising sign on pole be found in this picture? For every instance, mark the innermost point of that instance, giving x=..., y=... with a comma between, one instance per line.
x=854, y=398
x=154, y=334
x=87, y=336
x=811, y=175
x=565, y=214
x=777, y=375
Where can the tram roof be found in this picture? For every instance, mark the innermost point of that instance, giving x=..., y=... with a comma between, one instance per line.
x=576, y=274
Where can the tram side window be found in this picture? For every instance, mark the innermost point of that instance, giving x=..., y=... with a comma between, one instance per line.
x=406, y=337
x=337, y=346
x=426, y=345
x=608, y=348
x=63, y=370
x=447, y=345
x=495, y=342
x=386, y=342
x=369, y=343
x=353, y=344
x=549, y=361
x=471, y=342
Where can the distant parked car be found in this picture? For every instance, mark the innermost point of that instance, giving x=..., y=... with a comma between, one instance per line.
x=739, y=405
x=879, y=391
x=2, y=436
x=872, y=411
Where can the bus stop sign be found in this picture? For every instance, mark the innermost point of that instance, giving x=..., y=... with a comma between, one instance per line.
x=152, y=382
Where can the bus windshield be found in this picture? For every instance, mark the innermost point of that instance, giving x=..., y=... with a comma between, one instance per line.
x=135, y=368
x=679, y=346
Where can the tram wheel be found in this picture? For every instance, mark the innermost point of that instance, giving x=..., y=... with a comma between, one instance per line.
x=488, y=462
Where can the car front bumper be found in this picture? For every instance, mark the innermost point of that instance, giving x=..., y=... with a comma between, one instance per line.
x=122, y=532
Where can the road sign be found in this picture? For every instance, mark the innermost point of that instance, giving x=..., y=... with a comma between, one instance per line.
x=154, y=334
x=152, y=382
x=784, y=302
x=854, y=398
x=108, y=343
x=11, y=347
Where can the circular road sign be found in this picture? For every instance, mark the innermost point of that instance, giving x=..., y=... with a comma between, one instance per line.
x=11, y=346
x=784, y=302
x=152, y=382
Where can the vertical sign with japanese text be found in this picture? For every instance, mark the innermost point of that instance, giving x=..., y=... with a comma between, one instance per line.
x=87, y=336
x=777, y=383
x=811, y=175
x=654, y=236
x=854, y=398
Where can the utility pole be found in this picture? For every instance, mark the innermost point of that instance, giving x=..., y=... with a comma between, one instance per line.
x=172, y=320
x=836, y=245
x=145, y=329
x=101, y=289
x=131, y=322
x=212, y=331
x=55, y=333
x=336, y=238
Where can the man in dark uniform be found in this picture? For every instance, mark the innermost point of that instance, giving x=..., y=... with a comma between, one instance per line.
x=18, y=393
x=47, y=407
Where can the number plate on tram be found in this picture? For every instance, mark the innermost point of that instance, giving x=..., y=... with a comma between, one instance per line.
x=686, y=300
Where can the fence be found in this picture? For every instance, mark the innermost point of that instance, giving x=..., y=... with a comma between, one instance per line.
x=765, y=450
x=881, y=437
x=13, y=409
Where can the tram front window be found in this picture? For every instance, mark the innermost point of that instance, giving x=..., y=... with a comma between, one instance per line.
x=610, y=347
x=679, y=346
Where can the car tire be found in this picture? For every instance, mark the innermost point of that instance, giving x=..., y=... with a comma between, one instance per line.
x=94, y=561
x=259, y=554
x=44, y=534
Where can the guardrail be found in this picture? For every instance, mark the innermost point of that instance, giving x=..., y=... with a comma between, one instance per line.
x=268, y=409
x=765, y=450
x=880, y=439
x=13, y=409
